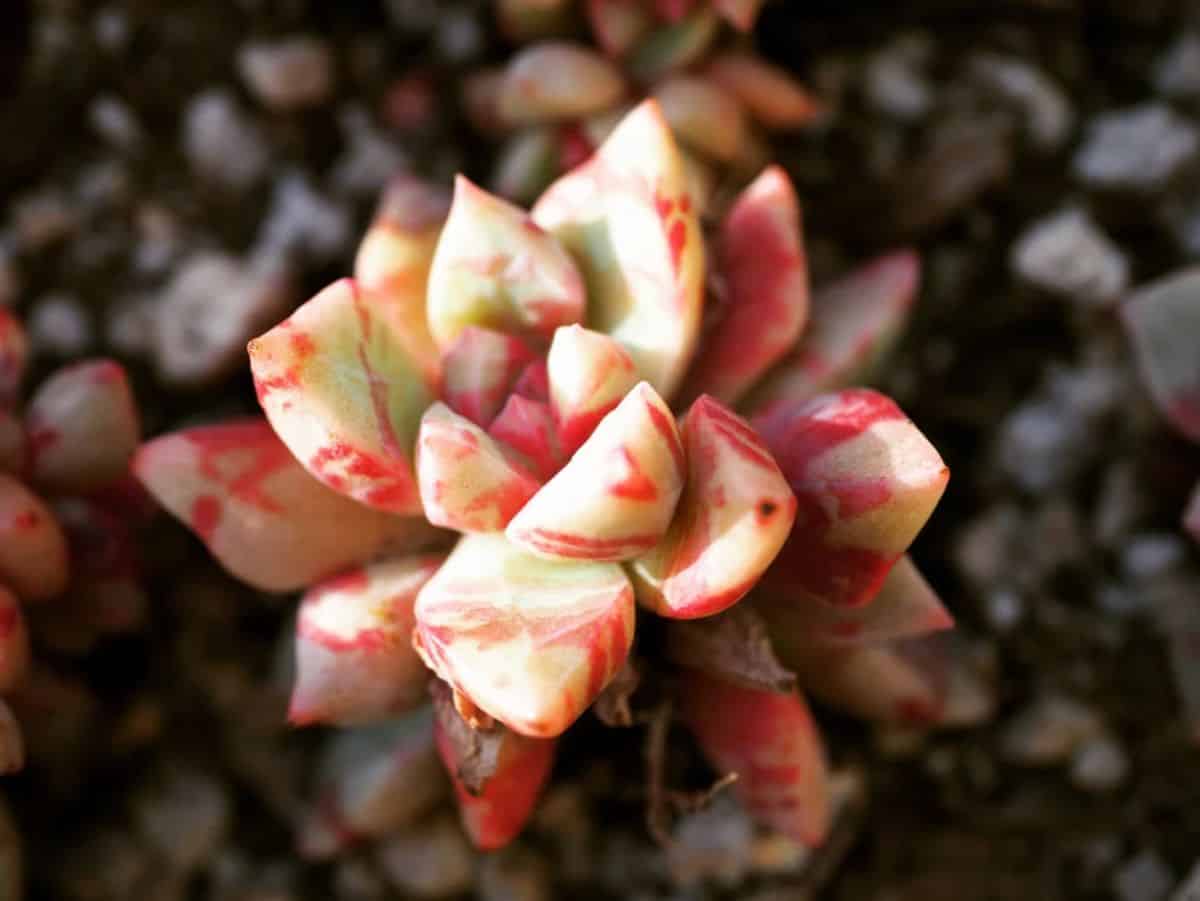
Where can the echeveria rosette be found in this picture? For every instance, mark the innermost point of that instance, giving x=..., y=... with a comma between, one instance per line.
x=528, y=408
x=557, y=98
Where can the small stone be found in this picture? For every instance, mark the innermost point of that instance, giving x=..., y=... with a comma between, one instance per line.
x=1005, y=609
x=1099, y=765
x=287, y=74
x=303, y=224
x=1120, y=601
x=129, y=327
x=184, y=813
x=1137, y=151
x=59, y=326
x=1067, y=256
x=515, y=874
x=716, y=844
x=460, y=36
x=113, y=120
x=1048, y=118
x=103, y=186
x=1177, y=71
x=42, y=219
x=1039, y=448
x=564, y=818
x=221, y=143
x=111, y=29
x=432, y=860
x=1189, y=889
x=370, y=159
x=1143, y=878
x=1049, y=731
x=1121, y=503
x=895, y=85
x=986, y=545
x=1150, y=556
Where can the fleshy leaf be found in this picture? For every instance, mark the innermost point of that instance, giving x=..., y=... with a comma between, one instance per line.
x=495, y=268
x=344, y=386
x=373, y=780
x=855, y=320
x=741, y=14
x=905, y=607
x=673, y=47
x=769, y=93
x=866, y=480
x=733, y=646
x=354, y=656
x=627, y=217
x=589, y=373
x=493, y=813
x=478, y=370
x=83, y=427
x=14, y=641
x=703, y=115
x=534, y=382
x=395, y=254
x=555, y=80
x=764, y=274
x=735, y=513
x=618, y=24
x=530, y=642
x=267, y=521
x=1163, y=322
x=770, y=741
x=615, y=498
x=33, y=548
x=467, y=482
x=526, y=163
x=14, y=357
x=527, y=427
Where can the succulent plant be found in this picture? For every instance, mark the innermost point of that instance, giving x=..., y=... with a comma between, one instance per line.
x=515, y=378
x=67, y=563
x=557, y=98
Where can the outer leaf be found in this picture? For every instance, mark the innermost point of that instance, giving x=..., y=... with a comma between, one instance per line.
x=373, y=781
x=478, y=370
x=556, y=80
x=741, y=14
x=354, y=656
x=261, y=514
x=467, y=483
x=526, y=163
x=618, y=24
x=528, y=427
x=529, y=641
x=615, y=498
x=1163, y=322
x=735, y=513
x=83, y=427
x=866, y=480
x=494, y=814
x=769, y=93
x=14, y=642
x=14, y=357
x=905, y=607
x=855, y=320
x=344, y=386
x=674, y=47
x=33, y=548
x=770, y=741
x=760, y=259
x=589, y=373
x=703, y=115
x=629, y=220
x=495, y=268
x=395, y=254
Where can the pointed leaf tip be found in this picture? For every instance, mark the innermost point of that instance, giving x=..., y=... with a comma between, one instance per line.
x=588, y=374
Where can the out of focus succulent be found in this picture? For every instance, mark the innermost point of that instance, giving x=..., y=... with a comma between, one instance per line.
x=512, y=377
x=584, y=63
x=67, y=563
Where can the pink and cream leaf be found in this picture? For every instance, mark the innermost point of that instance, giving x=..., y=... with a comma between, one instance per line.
x=589, y=373
x=478, y=371
x=528, y=427
x=555, y=80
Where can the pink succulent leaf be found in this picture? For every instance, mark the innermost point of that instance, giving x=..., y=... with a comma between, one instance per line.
x=528, y=427
x=14, y=357
x=674, y=47
x=354, y=656
x=629, y=220
x=83, y=427
x=267, y=521
x=733, y=646
x=479, y=369
x=495, y=268
x=905, y=607
x=468, y=482
x=493, y=813
x=14, y=453
x=734, y=515
x=855, y=320
x=618, y=25
x=764, y=279
x=741, y=14
x=673, y=10
x=770, y=740
x=866, y=481
x=589, y=373
x=1163, y=323
x=344, y=387
x=615, y=498
x=14, y=641
x=531, y=642
x=703, y=115
x=1191, y=516
x=534, y=382
x=768, y=93
x=373, y=780
x=396, y=253
x=33, y=547
x=555, y=80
